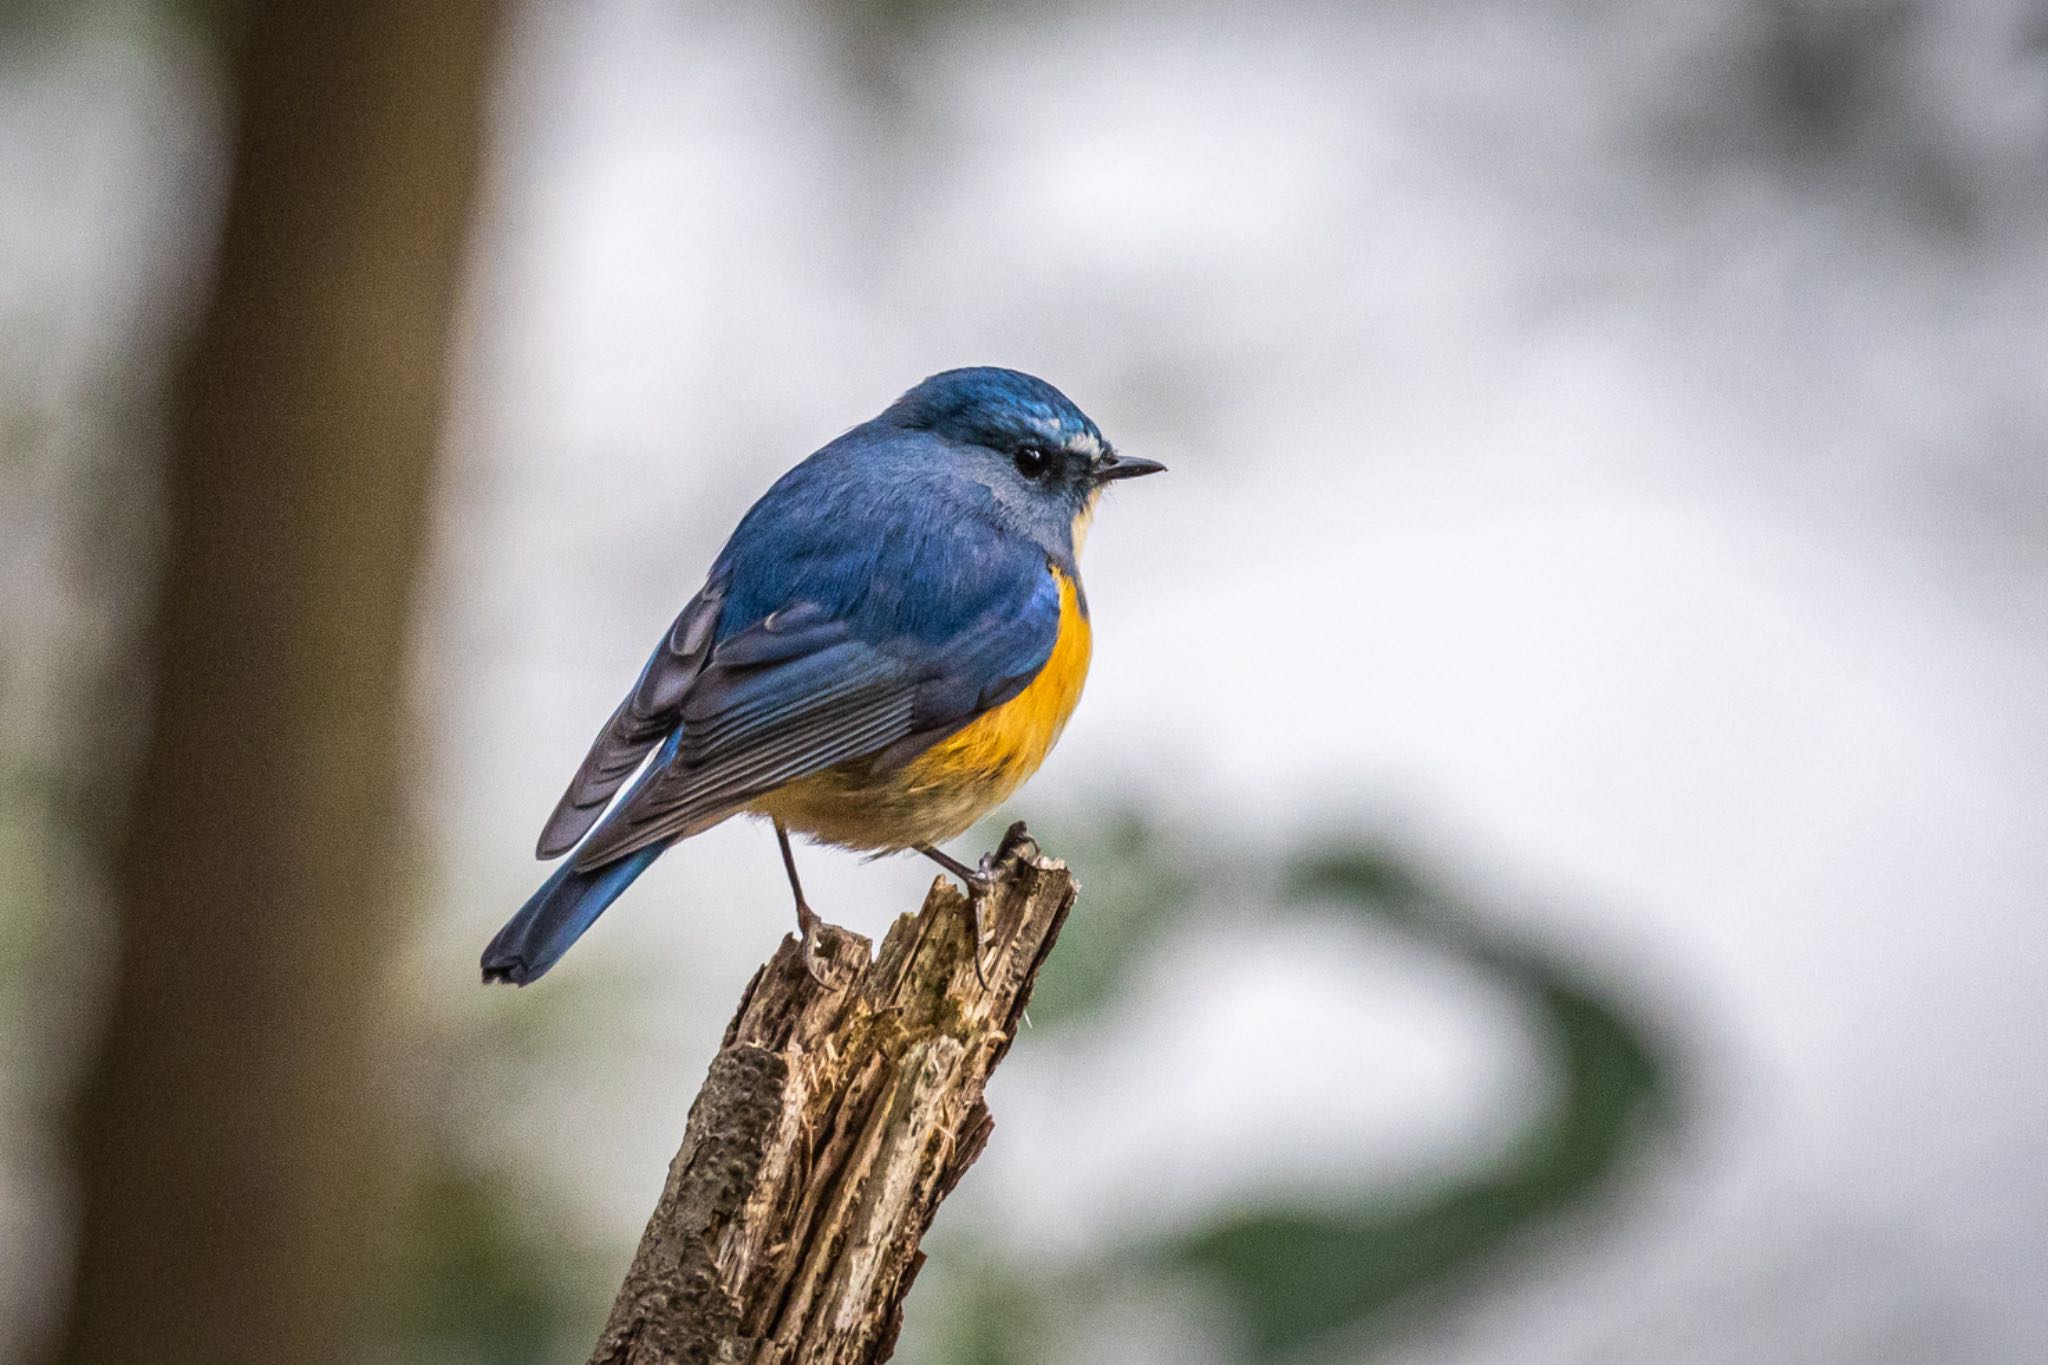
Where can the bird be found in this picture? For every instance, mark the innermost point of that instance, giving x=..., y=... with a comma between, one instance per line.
x=888, y=646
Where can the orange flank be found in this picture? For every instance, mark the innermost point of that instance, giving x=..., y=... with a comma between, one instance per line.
x=959, y=779
x=1004, y=746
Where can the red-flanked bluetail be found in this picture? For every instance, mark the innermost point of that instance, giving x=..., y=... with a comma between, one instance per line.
x=888, y=646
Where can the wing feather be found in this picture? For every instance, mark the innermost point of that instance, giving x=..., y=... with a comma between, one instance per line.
x=839, y=641
x=686, y=795
x=648, y=713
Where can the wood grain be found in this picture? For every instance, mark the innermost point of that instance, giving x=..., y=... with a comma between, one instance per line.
x=832, y=1123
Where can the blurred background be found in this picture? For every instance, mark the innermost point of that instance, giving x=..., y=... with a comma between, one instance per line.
x=1562, y=792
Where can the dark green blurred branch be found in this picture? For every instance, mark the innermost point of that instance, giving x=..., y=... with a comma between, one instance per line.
x=1296, y=1275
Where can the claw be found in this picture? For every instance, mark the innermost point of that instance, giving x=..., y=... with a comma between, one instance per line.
x=1017, y=842
x=808, y=925
x=980, y=882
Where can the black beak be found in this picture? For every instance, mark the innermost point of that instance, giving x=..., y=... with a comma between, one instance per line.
x=1115, y=466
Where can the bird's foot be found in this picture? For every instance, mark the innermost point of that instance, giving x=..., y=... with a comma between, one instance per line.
x=1017, y=843
x=981, y=883
x=815, y=963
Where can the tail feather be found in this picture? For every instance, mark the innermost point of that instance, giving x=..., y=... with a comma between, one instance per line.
x=556, y=916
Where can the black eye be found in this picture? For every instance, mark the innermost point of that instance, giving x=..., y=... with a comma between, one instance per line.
x=1032, y=462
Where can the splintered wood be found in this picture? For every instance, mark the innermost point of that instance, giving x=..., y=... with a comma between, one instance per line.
x=832, y=1123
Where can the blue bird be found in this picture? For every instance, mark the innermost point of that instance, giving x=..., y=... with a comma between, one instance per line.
x=888, y=646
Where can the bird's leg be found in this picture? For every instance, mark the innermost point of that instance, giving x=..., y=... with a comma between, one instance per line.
x=979, y=882
x=807, y=921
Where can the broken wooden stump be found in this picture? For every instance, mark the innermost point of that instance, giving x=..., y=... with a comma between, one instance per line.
x=833, y=1121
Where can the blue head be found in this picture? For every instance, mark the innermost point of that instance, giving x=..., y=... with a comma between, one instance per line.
x=1042, y=458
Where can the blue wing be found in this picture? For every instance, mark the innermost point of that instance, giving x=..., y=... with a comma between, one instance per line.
x=646, y=717
x=844, y=633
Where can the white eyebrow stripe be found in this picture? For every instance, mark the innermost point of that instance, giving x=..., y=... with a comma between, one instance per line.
x=1080, y=443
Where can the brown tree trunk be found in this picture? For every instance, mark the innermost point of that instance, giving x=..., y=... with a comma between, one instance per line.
x=833, y=1121
x=228, y=1133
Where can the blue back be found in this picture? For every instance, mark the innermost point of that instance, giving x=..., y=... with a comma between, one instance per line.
x=889, y=531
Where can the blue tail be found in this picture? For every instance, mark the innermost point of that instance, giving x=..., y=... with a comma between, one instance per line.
x=566, y=904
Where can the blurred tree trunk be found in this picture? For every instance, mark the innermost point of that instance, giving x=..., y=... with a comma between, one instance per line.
x=228, y=1136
